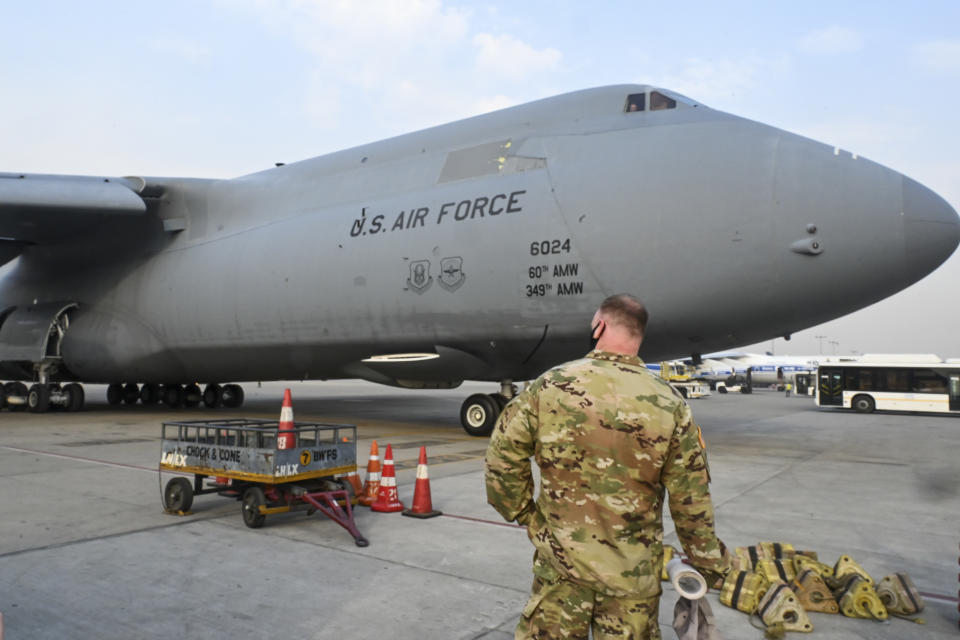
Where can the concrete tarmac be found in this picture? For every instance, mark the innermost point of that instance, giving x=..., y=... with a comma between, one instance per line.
x=86, y=550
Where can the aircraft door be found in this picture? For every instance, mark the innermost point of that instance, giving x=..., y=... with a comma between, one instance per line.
x=955, y=391
x=831, y=387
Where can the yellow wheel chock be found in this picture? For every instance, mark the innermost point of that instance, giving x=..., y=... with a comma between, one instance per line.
x=780, y=606
x=858, y=599
x=742, y=590
x=899, y=595
x=813, y=593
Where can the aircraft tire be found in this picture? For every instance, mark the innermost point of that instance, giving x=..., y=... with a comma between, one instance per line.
x=114, y=394
x=192, y=397
x=75, y=396
x=131, y=393
x=38, y=398
x=863, y=404
x=478, y=413
x=232, y=396
x=15, y=389
x=212, y=396
x=178, y=495
x=149, y=394
x=500, y=400
x=173, y=395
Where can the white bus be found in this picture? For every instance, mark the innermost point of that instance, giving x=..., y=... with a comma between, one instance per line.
x=894, y=386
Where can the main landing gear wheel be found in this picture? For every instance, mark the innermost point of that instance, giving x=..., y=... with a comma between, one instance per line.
x=192, y=396
x=173, y=395
x=75, y=396
x=131, y=393
x=232, y=396
x=178, y=495
x=114, y=394
x=253, y=498
x=478, y=414
x=38, y=398
x=212, y=396
x=17, y=389
x=149, y=394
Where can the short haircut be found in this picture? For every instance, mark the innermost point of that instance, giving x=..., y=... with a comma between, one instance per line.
x=626, y=311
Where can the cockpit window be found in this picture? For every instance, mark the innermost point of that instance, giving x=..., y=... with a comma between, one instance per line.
x=636, y=102
x=659, y=101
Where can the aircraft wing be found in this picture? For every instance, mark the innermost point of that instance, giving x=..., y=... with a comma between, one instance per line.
x=45, y=209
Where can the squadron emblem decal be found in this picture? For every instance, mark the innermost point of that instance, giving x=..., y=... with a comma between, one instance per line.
x=451, y=273
x=420, y=278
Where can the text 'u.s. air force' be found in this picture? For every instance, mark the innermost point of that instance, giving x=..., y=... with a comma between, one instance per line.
x=449, y=212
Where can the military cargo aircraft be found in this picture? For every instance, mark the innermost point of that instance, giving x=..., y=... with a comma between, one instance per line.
x=473, y=250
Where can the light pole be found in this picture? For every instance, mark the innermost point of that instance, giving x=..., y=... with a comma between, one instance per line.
x=835, y=344
x=820, y=343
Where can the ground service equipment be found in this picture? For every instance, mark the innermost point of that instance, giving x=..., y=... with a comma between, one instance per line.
x=244, y=460
x=677, y=375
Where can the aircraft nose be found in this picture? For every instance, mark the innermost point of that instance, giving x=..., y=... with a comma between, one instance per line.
x=931, y=227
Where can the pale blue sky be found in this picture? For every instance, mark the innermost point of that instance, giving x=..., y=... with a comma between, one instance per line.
x=222, y=88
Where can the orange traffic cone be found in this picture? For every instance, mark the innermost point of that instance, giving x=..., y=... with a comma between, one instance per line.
x=422, y=505
x=387, y=499
x=372, y=486
x=286, y=436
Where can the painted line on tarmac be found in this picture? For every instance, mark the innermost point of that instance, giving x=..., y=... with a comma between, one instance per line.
x=210, y=517
x=481, y=520
x=65, y=456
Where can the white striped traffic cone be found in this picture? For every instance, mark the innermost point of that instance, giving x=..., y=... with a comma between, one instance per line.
x=372, y=487
x=422, y=504
x=387, y=499
x=286, y=436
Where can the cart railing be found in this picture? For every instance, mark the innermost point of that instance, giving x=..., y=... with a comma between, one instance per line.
x=255, y=433
x=247, y=448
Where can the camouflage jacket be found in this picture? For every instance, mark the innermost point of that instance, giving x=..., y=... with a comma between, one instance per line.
x=608, y=436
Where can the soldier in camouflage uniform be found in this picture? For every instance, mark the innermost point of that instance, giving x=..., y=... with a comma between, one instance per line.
x=608, y=437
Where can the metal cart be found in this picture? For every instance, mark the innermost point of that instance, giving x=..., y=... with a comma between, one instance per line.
x=245, y=463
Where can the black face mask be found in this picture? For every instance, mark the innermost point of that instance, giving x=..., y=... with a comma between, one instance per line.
x=593, y=341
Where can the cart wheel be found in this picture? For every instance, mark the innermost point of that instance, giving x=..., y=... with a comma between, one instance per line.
x=178, y=495
x=253, y=498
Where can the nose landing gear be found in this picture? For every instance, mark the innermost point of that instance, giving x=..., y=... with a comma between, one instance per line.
x=479, y=412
